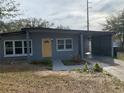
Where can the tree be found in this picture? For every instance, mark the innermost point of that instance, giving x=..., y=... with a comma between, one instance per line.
x=116, y=24
x=2, y=26
x=8, y=8
x=62, y=27
x=16, y=25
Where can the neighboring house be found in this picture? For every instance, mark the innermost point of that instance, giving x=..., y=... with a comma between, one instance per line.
x=38, y=43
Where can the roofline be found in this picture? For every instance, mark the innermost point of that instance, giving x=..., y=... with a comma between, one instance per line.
x=55, y=29
x=41, y=28
x=18, y=32
x=23, y=30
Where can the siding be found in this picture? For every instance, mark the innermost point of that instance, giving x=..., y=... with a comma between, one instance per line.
x=37, y=37
x=37, y=45
x=101, y=45
x=11, y=37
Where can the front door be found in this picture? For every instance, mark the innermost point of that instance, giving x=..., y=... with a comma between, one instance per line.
x=46, y=48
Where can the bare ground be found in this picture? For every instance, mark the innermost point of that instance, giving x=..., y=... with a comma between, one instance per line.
x=37, y=79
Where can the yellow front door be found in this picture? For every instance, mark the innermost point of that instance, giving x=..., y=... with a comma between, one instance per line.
x=46, y=48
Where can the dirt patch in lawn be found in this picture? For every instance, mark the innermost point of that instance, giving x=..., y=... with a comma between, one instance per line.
x=44, y=81
x=58, y=74
x=73, y=82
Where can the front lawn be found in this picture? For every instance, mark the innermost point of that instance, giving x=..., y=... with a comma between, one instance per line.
x=72, y=62
x=46, y=62
x=24, y=67
x=28, y=78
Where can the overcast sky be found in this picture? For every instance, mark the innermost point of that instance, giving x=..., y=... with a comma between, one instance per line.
x=71, y=13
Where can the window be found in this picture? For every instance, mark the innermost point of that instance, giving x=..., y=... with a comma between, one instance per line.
x=64, y=44
x=68, y=44
x=9, y=48
x=16, y=47
x=60, y=44
x=25, y=47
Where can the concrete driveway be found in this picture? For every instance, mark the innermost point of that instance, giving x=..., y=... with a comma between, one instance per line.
x=113, y=66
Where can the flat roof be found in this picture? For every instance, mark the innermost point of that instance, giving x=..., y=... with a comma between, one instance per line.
x=39, y=29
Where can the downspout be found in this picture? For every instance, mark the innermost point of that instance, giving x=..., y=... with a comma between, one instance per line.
x=28, y=49
x=81, y=44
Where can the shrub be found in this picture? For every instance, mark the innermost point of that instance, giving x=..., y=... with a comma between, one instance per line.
x=85, y=68
x=97, y=68
x=45, y=61
x=35, y=62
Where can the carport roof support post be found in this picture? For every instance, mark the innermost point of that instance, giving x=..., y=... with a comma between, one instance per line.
x=28, y=49
x=112, y=48
x=81, y=43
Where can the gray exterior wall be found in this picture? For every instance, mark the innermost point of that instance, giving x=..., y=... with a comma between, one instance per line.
x=101, y=45
x=10, y=37
x=36, y=38
x=37, y=45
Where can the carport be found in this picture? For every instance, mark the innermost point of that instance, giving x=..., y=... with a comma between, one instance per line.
x=98, y=43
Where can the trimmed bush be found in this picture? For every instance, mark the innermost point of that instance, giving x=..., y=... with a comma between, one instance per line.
x=45, y=61
x=97, y=68
x=85, y=68
x=35, y=62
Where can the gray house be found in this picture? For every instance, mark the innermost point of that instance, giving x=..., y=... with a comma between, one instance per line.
x=38, y=43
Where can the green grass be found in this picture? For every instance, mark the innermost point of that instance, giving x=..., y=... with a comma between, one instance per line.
x=24, y=67
x=71, y=62
x=45, y=61
x=68, y=62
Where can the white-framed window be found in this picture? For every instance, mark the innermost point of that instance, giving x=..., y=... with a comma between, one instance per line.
x=64, y=44
x=14, y=48
x=18, y=47
x=9, y=48
x=25, y=47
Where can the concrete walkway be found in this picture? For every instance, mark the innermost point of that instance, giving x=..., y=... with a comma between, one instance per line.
x=113, y=66
x=59, y=66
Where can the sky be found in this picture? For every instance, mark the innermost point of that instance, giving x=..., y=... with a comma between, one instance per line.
x=71, y=13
